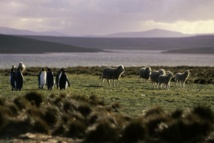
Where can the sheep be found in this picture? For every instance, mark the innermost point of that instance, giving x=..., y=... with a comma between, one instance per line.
x=182, y=77
x=22, y=66
x=112, y=73
x=145, y=73
x=165, y=79
x=155, y=74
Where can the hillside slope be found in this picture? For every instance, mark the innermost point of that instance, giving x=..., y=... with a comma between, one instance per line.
x=15, y=44
x=134, y=43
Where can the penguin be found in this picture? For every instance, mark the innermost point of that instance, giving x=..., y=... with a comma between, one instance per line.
x=57, y=78
x=19, y=79
x=63, y=81
x=42, y=78
x=13, y=77
x=50, y=79
x=22, y=67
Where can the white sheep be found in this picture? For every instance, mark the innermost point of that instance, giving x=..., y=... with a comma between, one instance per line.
x=155, y=74
x=145, y=73
x=182, y=77
x=21, y=66
x=165, y=79
x=112, y=73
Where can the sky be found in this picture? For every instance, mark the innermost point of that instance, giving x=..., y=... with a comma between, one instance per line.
x=100, y=17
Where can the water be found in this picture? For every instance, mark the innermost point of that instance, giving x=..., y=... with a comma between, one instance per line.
x=111, y=58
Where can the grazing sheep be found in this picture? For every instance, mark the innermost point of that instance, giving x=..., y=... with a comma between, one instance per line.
x=22, y=66
x=145, y=73
x=165, y=79
x=182, y=77
x=42, y=77
x=155, y=74
x=112, y=73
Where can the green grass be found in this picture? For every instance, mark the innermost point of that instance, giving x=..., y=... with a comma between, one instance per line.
x=93, y=112
x=132, y=94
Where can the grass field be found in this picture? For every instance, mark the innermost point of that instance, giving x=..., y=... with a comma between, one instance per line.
x=132, y=97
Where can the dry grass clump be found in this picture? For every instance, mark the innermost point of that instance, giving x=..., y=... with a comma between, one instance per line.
x=90, y=120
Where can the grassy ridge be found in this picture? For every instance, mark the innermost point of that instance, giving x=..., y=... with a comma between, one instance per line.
x=16, y=44
x=93, y=112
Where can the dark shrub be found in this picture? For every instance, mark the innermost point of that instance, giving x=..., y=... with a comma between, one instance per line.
x=13, y=110
x=2, y=101
x=84, y=109
x=15, y=127
x=34, y=98
x=154, y=111
x=76, y=128
x=51, y=116
x=21, y=103
x=185, y=131
x=134, y=132
x=104, y=132
x=204, y=113
x=41, y=126
x=93, y=100
x=59, y=130
x=177, y=114
x=68, y=106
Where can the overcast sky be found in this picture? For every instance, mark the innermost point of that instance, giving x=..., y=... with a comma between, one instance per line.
x=97, y=17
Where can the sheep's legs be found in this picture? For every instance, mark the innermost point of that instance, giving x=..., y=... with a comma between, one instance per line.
x=115, y=82
x=102, y=81
x=109, y=82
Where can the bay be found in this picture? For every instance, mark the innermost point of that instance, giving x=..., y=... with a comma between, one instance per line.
x=108, y=58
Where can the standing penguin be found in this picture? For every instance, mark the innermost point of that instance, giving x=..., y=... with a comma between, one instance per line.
x=22, y=67
x=50, y=79
x=42, y=78
x=19, y=79
x=63, y=80
x=13, y=77
x=57, y=78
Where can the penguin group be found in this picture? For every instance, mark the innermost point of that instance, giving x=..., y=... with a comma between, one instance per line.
x=45, y=78
x=16, y=76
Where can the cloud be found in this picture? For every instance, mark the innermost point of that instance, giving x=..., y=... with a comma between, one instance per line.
x=102, y=16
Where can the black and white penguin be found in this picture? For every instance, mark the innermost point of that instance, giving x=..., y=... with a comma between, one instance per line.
x=42, y=77
x=63, y=81
x=13, y=77
x=19, y=79
x=57, y=77
x=22, y=67
x=50, y=79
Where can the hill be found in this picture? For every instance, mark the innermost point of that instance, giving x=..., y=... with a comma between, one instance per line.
x=154, y=33
x=205, y=50
x=15, y=44
x=12, y=31
x=134, y=43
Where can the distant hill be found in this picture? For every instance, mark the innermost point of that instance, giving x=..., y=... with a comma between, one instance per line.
x=155, y=33
x=15, y=44
x=205, y=50
x=134, y=43
x=12, y=31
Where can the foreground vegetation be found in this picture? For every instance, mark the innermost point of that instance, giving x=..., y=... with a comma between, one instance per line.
x=91, y=112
